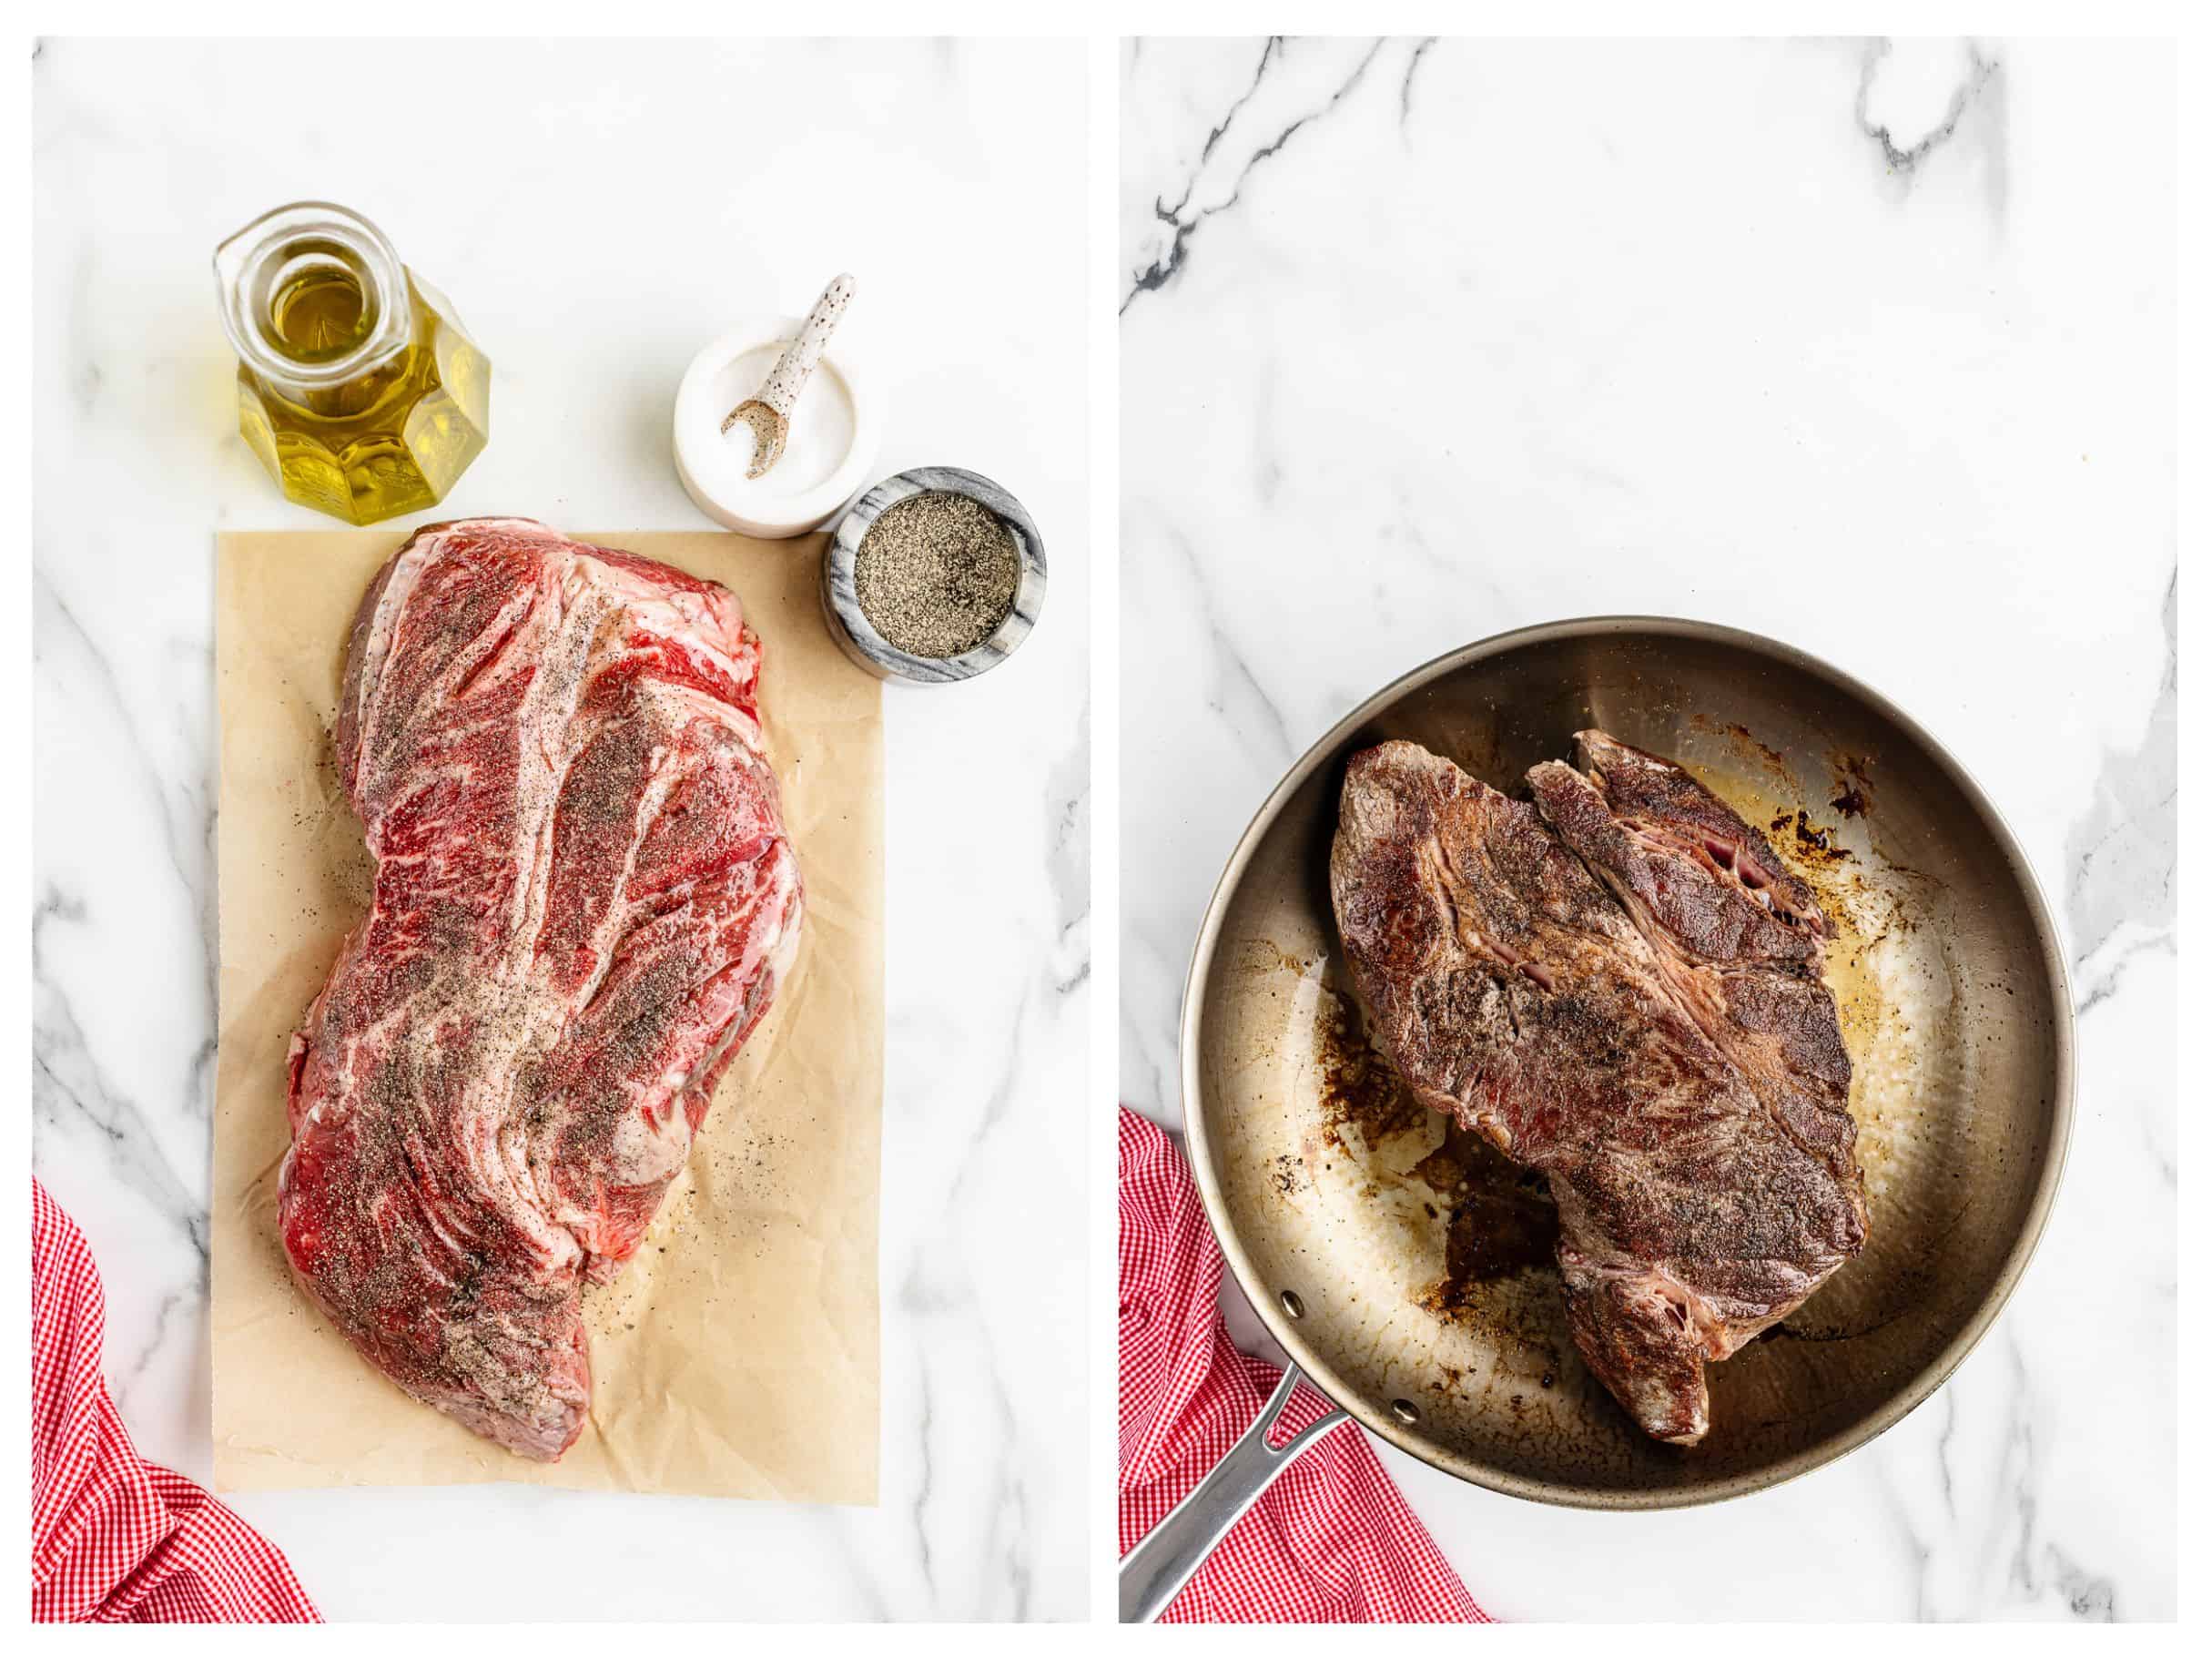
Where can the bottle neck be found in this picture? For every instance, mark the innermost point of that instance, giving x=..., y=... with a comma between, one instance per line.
x=314, y=299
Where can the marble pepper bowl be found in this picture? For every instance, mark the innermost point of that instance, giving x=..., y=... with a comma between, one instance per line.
x=841, y=604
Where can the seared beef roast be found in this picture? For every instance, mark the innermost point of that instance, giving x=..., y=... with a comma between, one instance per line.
x=1619, y=985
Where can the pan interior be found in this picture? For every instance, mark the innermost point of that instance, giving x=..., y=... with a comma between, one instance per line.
x=1419, y=1262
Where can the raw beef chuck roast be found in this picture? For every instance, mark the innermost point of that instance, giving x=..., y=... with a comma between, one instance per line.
x=1619, y=985
x=584, y=898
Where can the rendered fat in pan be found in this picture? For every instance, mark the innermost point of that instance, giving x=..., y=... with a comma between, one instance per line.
x=1334, y=1204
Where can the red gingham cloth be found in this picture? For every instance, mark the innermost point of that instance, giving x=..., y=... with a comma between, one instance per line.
x=1331, y=1541
x=115, y=1538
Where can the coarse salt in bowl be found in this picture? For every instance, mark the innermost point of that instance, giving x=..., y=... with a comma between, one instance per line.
x=834, y=428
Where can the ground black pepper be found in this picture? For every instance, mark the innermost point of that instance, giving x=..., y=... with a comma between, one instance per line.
x=936, y=573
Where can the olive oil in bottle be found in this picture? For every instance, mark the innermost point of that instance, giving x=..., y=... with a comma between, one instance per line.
x=357, y=387
x=319, y=314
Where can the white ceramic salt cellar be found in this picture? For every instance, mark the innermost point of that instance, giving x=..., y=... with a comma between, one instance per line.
x=834, y=428
x=848, y=623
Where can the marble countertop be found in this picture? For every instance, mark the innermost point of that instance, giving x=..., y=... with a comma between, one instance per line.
x=597, y=210
x=1426, y=339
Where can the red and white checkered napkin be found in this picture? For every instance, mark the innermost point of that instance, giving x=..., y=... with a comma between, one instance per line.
x=115, y=1538
x=1331, y=1541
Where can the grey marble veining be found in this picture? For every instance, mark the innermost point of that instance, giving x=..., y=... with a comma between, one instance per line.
x=1865, y=345
x=1973, y=113
x=850, y=621
x=2121, y=853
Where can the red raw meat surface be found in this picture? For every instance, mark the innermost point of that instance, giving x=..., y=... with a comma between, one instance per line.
x=585, y=899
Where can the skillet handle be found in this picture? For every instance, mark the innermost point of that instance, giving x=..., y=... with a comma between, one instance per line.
x=1154, y=1572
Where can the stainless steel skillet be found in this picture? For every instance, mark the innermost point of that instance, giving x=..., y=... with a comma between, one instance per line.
x=1336, y=1212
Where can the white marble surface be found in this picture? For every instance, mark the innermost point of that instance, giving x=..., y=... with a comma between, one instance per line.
x=596, y=210
x=1426, y=341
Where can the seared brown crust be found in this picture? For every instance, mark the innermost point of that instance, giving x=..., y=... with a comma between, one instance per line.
x=1677, y=858
x=1686, y=1108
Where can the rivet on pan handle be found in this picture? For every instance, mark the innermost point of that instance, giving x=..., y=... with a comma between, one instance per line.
x=1154, y=1571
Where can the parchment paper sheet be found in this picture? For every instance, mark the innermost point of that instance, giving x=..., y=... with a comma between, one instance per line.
x=737, y=1354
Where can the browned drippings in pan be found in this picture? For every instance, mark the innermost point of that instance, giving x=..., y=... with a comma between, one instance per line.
x=1418, y=1261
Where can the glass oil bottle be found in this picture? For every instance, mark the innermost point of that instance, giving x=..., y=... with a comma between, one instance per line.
x=357, y=387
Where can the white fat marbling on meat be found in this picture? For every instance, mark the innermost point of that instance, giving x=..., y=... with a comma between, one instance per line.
x=649, y=1144
x=981, y=1512
x=559, y=627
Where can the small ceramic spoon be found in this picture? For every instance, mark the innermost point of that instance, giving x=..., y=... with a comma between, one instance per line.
x=768, y=410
